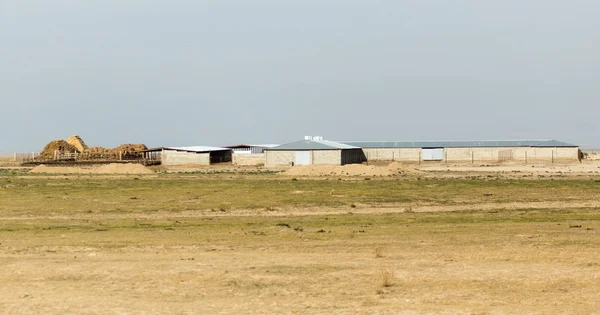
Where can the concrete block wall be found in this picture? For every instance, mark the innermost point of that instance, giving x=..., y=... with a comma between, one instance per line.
x=478, y=155
x=279, y=158
x=521, y=154
x=327, y=157
x=458, y=154
x=393, y=154
x=249, y=159
x=170, y=157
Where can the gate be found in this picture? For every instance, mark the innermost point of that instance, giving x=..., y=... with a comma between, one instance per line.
x=432, y=154
x=303, y=158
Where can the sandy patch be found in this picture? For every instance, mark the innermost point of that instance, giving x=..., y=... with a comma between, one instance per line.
x=346, y=170
x=113, y=168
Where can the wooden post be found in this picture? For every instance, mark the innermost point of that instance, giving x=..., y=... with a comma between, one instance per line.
x=552, y=156
x=472, y=157
x=525, y=157
x=15, y=158
x=120, y=155
x=393, y=157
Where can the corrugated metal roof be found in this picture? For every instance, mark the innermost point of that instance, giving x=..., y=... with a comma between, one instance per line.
x=196, y=149
x=313, y=145
x=265, y=145
x=252, y=145
x=458, y=144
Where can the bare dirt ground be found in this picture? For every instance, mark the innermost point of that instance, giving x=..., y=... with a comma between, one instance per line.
x=112, y=168
x=575, y=169
x=7, y=160
x=421, y=242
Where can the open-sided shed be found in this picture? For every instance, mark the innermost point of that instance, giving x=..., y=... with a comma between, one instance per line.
x=193, y=155
x=250, y=148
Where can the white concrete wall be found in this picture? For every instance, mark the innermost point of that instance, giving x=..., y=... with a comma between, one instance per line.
x=249, y=159
x=319, y=157
x=170, y=157
x=327, y=157
x=279, y=158
x=478, y=155
x=519, y=154
x=393, y=154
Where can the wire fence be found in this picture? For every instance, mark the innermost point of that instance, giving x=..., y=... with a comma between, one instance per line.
x=63, y=156
x=17, y=156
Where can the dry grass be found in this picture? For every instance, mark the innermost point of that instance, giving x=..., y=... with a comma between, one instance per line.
x=94, y=244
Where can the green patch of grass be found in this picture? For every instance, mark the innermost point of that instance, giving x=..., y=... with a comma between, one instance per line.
x=33, y=195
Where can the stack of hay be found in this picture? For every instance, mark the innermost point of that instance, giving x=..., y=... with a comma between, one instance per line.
x=74, y=144
x=77, y=142
x=130, y=148
x=57, y=145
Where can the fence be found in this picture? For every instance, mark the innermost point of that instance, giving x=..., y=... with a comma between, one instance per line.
x=17, y=156
x=63, y=156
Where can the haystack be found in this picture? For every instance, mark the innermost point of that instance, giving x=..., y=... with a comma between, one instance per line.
x=128, y=147
x=77, y=142
x=57, y=145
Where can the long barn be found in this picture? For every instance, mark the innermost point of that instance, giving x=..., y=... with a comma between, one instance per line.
x=522, y=151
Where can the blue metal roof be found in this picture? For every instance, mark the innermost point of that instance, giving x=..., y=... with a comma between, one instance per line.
x=459, y=144
x=312, y=145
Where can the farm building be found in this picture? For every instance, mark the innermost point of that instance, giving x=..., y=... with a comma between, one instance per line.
x=250, y=148
x=522, y=151
x=195, y=155
x=313, y=151
x=249, y=154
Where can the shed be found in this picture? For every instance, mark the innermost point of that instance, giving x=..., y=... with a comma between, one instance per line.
x=193, y=155
x=311, y=151
x=250, y=148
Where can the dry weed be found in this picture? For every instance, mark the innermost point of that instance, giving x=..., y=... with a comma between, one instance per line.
x=378, y=252
x=387, y=277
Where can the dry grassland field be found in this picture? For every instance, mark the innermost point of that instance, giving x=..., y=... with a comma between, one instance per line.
x=260, y=242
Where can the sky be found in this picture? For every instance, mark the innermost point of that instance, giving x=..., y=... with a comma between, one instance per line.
x=223, y=72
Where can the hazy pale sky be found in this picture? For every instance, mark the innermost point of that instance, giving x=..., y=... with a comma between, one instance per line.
x=219, y=72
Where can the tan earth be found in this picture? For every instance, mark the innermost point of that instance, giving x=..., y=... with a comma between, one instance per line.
x=346, y=170
x=113, y=168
